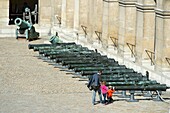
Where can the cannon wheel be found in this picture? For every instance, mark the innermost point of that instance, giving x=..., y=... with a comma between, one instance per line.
x=27, y=34
x=16, y=32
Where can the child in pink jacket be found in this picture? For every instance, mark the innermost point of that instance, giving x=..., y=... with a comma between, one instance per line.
x=104, y=89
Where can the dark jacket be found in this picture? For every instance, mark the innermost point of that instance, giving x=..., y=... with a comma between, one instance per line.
x=95, y=80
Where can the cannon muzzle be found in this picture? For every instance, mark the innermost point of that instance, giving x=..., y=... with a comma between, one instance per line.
x=22, y=24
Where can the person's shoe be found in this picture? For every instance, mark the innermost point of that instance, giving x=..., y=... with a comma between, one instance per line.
x=94, y=103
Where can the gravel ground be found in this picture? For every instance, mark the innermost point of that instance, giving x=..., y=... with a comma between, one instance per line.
x=30, y=85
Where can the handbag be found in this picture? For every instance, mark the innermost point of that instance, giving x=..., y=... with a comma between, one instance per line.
x=94, y=87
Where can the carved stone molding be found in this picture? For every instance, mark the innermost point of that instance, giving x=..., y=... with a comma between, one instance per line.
x=127, y=3
x=162, y=13
x=145, y=8
x=110, y=1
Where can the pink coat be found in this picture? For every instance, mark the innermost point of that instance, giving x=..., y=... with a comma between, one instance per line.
x=103, y=89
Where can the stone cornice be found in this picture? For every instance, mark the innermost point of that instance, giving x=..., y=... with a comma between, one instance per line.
x=110, y=1
x=145, y=8
x=162, y=13
x=127, y=3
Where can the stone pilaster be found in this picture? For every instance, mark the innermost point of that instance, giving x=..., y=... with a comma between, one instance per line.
x=145, y=30
x=76, y=14
x=162, y=49
x=110, y=21
x=57, y=12
x=90, y=20
x=105, y=24
x=83, y=15
x=127, y=25
x=4, y=15
x=67, y=14
x=45, y=13
x=95, y=19
x=63, y=13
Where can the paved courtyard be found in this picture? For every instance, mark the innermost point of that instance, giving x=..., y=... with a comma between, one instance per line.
x=29, y=85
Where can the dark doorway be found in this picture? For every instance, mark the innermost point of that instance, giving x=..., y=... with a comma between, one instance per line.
x=16, y=9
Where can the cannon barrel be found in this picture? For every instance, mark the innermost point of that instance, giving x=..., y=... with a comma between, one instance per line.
x=125, y=75
x=56, y=47
x=131, y=75
x=72, y=66
x=115, y=77
x=71, y=55
x=90, y=69
x=84, y=61
x=113, y=64
x=63, y=46
x=31, y=46
x=27, y=28
x=79, y=57
x=101, y=59
x=63, y=49
x=122, y=79
x=72, y=59
x=132, y=83
x=78, y=62
x=22, y=24
x=159, y=87
x=95, y=68
x=83, y=66
x=61, y=55
x=108, y=72
x=68, y=52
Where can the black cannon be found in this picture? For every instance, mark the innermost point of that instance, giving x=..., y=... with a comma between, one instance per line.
x=31, y=46
x=55, y=47
x=96, y=68
x=121, y=78
x=157, y=88
x=108, y=72
x=153, y=87
x=56, y=50
x=75, y=55
x=132, y=83
x=67, y=51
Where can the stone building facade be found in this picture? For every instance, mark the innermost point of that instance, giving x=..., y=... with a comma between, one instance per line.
x=134, y=32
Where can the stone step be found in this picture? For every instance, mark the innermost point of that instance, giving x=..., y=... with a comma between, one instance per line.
x=9, y=31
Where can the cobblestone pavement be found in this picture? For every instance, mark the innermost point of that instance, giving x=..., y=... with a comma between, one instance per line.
x=29, y=85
